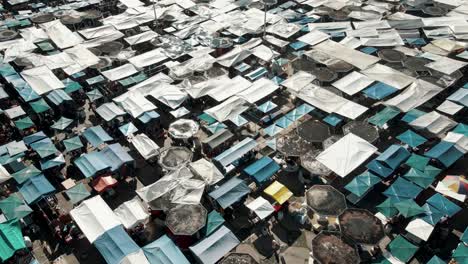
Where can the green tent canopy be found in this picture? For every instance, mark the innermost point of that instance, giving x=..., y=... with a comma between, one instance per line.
x=362, y=183
x=11, y=239
x=24, y=123
x=387, y=208
x=411, y=138
x=419, y=177
x=39, y=106
x=401, y=249
x=417, y=161
x=409, y=208
x=26, y=173
x=382, y=117
x=13, y=207
x=72, y=143
x=460, y=254
x=432, y=171
x=436, y=260
x=77, y=193
x=62, y=123
x=214, y=221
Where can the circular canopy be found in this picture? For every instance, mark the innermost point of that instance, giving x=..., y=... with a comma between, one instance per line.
x=111, y=47
x=238, y=258
x=303, y=65
x=186, y=219
x=173, y=158
x=92, y=14
x=330, y=248
x=325, y=200
x=183, y=128
x=361, y=226
x=362, y=129
x=341, y=66
x=325, y=74
x=42, y=18
x=103, y=63
x=309, y=163
x=7, y=34
x=70, y=20
x=292, y=145
x=313, y=131
x=391, y=55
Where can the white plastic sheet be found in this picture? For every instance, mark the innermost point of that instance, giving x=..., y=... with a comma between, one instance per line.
x=145, y=146
x=132, y=213
x=41, y=79
x=415, y=95
x=120, y=72
x=206, y=170
x=261, y=207
x=433, y=122
x=342, y=52
x=61, y=35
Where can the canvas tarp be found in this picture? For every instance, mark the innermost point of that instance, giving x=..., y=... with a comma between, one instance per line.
x=132, y=213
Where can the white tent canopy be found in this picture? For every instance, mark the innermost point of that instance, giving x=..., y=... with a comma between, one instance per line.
x=41, y=79
x=109, y=111
x=420, y=229
x=258, y=90
x=433, y=122
x=261, y=207
x=346, y=154
x=61, y=35
x=228, y=109
x=206, y=170
x=336, y=50
x=330, y=102
x=214, y=247
x=389, y=76
x=445, y=190
x=298, y=81
x=353, y=83
x=132, y=213
x=415, y=95
x=145, y=146
x=4, y=174
x=94, y=217
x=120, y=72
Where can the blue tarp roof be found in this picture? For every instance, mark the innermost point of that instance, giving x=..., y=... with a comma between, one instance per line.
x=461, y=129
x=213, y=247
x=402, y=189
x=445, y=152
x=236, y=152
x=91, y=163
x=26, y=173
x=262, y=169
x=34, y=137
x=432, y=214
x=379, y=91
x=51, y=163
x=362, y=183
x=115, y=244
x=36, y=187
x=230, y=192
x=164, y=251
x=58, y=96
x=96, y=136
x=44, y=147
x=115, y=156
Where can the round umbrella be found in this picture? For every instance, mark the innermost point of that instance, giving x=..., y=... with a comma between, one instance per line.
x=303, y=65
x=92, y=14
x=325, y=200
x=186, y=219
x=292, y=145
x=70, y=20
x=238, y=258
x=7, y=34
x=391, y=55
x=42, y=18
x=313, y=131
x=330, y=248
x=362, y=129
x=315, y=167
x=361, y=226
x=173, y=158
x=183, y=128
x=111, y=47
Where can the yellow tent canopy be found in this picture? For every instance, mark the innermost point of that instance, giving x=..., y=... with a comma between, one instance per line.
x=279, y=192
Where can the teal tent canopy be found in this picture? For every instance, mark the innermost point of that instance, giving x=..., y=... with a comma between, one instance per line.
x=417, y=162
x=11, y=239
x=445, y=152
x=39, y=106
x=230, y=192
x=58, y=96
x=409, y=208
x=464, y=237
x=115, y=244
x=128, y=129
x=436, y=260
x=26, y=173
x=402, y=249
x=460, y=254
x=51, y=163
x=148, y=116
x=34, y=137
x=24, y=123
x=461, y=129
x=62, y=123
x=432, y=171
x=379, y=91
x=13, y=207
x=77, y=193
x=44, y=148
x=432, y=214
x=362, y=183
x=35, y=188
x=91, y=163
x=267, y=106
x=382, y=117
x=273, y=130
x=94, y=95
x=164, y=251
x=411, y=138
x=262, y=169
x=443, y=204
x=402, y=189
x=96, y=136
x=215, y=127
x=411, y=115
x=418, y=177
x=73, y=143
x=213, y=221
